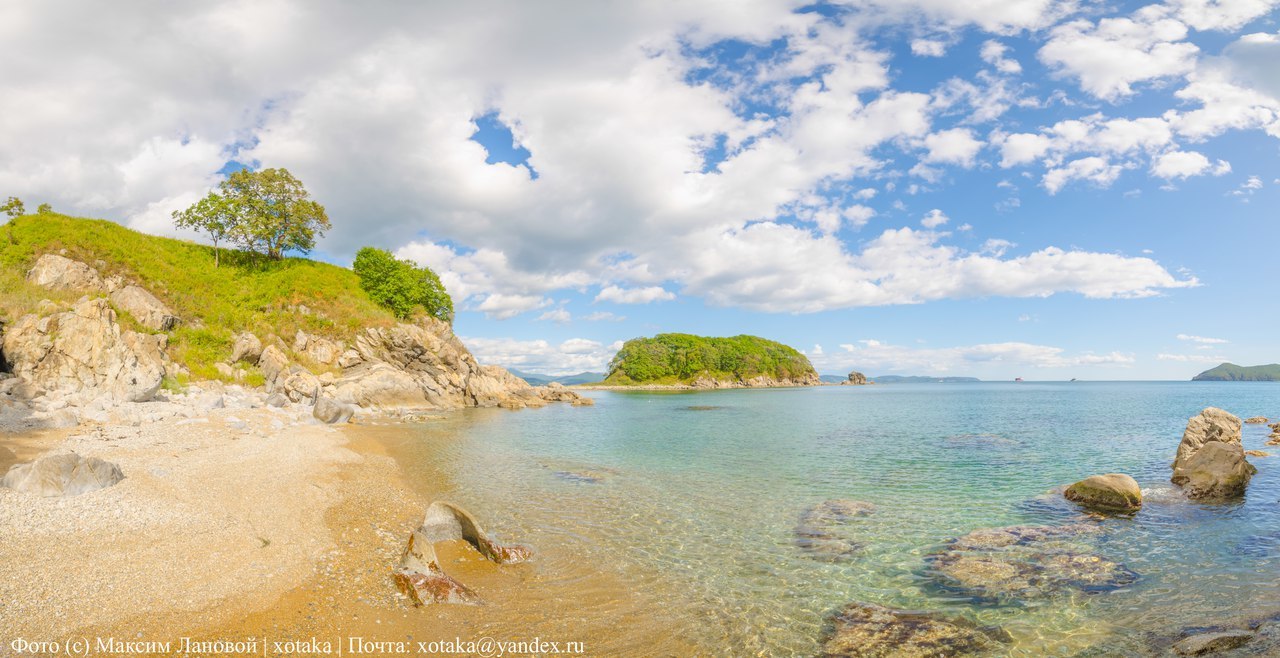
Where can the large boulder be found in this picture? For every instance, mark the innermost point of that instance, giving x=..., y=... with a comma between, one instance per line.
x=60, y=273
x=419, y=574
x=866, y=630
x=299, y=385
x=1113, y=491
x=1221, y=471
x=246, y=348
x=328, y=410
x=855, y=379
x=62, y=475
x=145, y=307
x=320, y=350
x=1218, y=470
x=274, y=364
x=85, y=350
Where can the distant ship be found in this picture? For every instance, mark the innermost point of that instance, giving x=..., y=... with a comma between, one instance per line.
x=1017, y=379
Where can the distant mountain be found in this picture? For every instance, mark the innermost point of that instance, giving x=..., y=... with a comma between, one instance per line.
x=1230, y=372
x=833, y=379
x=916, y=379
x=567, y=380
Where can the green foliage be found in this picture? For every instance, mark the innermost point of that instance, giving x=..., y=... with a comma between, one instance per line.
x=247, y=294
x=670, y=358
x=400, y=285
x=13, y=208
x=267, y=212
x=44, y=209
x=1230, y=372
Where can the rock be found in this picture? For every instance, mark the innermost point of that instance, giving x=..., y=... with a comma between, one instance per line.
x=1218, y=470
x=1024, y=562
x=1206, y=643
x=85, y=350
x=273, y=363
x=225, y=370
x=824, y=533
x=1111, y=492
x=329, y=411
x=855, y=379
x=321, y=350
x=208, y=402
x=246, y=348
x=865, y=630
x=419, y=575
x=59, y=273
x=349, y=359
x=301, y=385
x=145, y=308
x=1210, y=425
x=277, y=400
x=1257, y=453
x=1256, y=420
x=62, y=475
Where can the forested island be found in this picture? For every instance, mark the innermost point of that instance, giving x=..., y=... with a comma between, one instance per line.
x=1230, y=372
x=709, y=362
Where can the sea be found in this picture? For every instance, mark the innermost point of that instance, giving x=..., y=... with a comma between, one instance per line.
x=688, y=504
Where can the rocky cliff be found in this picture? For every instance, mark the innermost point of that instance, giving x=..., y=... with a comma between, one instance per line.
x=85, y=356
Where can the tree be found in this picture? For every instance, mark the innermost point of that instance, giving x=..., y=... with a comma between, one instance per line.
x=400, y=285
x=267, y=211
x=44, y=209
x=274, y=212
x=214, y=215
x=13, y=208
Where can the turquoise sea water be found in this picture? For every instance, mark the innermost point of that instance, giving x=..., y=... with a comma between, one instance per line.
x=693, y=499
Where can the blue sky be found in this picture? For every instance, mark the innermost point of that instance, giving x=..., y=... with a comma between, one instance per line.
x=1024, y=188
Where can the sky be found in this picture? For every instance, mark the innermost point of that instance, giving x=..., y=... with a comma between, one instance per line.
x=999, y=188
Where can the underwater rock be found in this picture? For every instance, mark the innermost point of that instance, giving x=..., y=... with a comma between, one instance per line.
x=823, y=530
x=865, y=630
x=1024, y=562
x=1257, y=453
x=1110, y=492
x=419, y=575
x=1206, y=643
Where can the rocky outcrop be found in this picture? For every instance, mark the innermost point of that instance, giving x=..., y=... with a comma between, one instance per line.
x=1210, y=462
x=62, y=475
x=866, y=630
x=316, y=348
x=149, y=311
x=1110, y=492
x=60, y=273
x=855, y=379
x=84, y=351
x=419, y=575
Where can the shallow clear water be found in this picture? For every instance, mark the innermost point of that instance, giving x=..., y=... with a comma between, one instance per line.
x=694, y=499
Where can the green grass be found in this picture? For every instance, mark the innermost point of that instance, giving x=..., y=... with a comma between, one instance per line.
x=247, y=293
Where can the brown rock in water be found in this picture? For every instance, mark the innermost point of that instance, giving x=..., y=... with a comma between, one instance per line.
x=62, y=475
x=1218, y=470
x=1256, y=420
x=1210, y=462
x=1113, y=491
x=1206, y=643
x=419, y=575
x=824, y=533
x=855, y=379
x=1257, y=453
x=865, y=630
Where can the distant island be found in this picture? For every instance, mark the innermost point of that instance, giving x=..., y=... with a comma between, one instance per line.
x=688, y=361
x=1230, y=372
x=535, y=379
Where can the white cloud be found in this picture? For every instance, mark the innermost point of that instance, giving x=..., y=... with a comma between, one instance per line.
x=934, y=218
x=997, y=247
x=993, y=53
x=1220, y=14
x=634, y=295
x=504, y=307
x=928, y=47
x=1192, y=358
x=1184, y=164
x=1109, y=56
x=955, y=146
x=1202, y=339
x=557, y=315
x=603, y=316
x=542, y=357
x=1092, y=169
x=878, y=357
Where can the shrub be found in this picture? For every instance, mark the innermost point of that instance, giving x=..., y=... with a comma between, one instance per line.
x=401, y=286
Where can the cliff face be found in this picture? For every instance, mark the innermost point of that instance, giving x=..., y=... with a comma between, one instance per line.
x=85, y=353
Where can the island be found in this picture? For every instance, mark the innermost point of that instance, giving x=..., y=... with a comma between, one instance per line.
x=1230, y=372
x=688, y=361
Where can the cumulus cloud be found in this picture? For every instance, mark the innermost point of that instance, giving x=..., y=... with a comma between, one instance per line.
x=954, y=146
x=543, y=357
x=1093, y=169
x=934, y=218
x=993, y=53
x=1184, y=164
x=1202, y=340
x=644, y=295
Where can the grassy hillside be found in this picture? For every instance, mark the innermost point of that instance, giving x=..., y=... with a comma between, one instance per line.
x=1230, y=372
x=682, y=358
x=246, y=293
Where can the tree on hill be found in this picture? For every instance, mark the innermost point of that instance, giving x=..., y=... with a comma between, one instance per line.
x=400, y=285
x=267, y=211
x=44, y=209
x=13, y=208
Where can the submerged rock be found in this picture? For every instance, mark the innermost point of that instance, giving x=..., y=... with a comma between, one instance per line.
x=824, y=533
x=1257, y=453
x=1024, y=562
x=62, y=475
x=1256, y=420
x=419, y=575
x=865, y=630
x=1110, y=492
x=1206, y=643
x=1210, y=461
